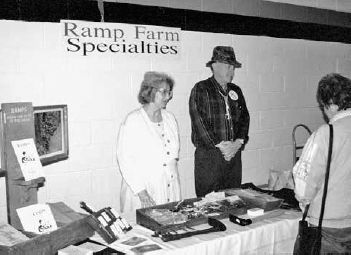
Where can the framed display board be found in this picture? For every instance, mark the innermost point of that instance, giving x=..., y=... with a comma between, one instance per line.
x=51, y=133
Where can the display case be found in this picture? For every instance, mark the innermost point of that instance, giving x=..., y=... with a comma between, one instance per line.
x=191, y=212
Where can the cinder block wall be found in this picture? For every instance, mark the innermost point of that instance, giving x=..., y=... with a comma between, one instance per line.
x=278, y=78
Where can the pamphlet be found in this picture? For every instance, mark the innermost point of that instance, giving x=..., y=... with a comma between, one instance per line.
x=28, y=158
x=135, y=244
x=37, y=218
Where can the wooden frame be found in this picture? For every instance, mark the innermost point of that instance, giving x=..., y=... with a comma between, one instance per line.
x=51, y=133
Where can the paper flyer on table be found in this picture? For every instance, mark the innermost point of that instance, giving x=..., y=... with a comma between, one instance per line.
x=136, y=244
x=37, y=218
x=28, y=158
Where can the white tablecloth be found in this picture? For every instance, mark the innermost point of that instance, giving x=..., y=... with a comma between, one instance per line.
x=269, y=236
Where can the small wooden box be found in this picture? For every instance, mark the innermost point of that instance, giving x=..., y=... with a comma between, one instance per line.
x=256, y=199
x=72, y=228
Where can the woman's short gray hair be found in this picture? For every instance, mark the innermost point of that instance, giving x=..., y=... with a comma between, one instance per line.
x=150, y=84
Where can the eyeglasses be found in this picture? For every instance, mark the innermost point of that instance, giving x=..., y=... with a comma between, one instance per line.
x=165, y=92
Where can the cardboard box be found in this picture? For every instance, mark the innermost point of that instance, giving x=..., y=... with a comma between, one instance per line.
x=72, y=228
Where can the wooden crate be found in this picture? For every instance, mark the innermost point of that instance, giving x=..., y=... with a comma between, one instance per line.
x=73, y=227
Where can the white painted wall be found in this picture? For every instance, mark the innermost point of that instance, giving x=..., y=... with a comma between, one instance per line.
x=278, y=78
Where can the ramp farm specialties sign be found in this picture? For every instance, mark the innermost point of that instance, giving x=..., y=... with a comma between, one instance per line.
x=87, y=38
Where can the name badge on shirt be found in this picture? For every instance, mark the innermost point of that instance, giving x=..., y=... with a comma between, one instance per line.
x=233, y=95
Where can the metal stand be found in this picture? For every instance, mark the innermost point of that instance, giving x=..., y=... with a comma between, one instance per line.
x=295, y=146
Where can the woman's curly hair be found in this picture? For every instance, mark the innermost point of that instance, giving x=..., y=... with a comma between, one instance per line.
x=334, y=89
x=152, y=81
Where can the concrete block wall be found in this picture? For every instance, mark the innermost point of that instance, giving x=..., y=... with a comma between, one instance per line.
x=278, y=78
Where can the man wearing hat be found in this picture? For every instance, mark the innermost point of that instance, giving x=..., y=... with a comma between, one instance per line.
x=220, y=125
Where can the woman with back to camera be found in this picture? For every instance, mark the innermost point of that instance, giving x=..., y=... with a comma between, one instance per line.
x=334, y=98
x=148, y=147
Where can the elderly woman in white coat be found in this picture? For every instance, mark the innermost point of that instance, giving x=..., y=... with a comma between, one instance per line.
x=148, y=147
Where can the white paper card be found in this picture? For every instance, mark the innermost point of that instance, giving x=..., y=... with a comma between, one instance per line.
x=28, y=158
x=135, y=244
x=37, y=218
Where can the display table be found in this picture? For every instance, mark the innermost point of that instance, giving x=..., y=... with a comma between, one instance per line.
x=269, y=236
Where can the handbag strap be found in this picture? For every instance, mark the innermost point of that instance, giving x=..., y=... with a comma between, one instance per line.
x=305, y=212
x=331, y=136
x=330, y=150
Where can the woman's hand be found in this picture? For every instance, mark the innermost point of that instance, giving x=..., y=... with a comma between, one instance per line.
x=145, y=199
x=174, y=173
x=173, y=169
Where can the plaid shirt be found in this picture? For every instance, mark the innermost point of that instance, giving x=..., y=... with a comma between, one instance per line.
x=210, y=123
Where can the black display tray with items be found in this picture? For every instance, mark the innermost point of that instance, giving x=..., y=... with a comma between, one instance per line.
x=195, y=211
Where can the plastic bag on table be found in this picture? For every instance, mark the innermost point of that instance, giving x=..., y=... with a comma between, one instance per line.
x=279, y=179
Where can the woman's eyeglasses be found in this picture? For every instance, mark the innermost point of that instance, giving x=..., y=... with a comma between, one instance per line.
x=165, y=92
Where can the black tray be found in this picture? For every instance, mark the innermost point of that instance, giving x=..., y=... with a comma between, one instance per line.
x=144, y=220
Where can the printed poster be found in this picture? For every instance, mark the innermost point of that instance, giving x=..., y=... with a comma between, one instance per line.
x=37, y=218
x=135, y=244
x=28, y=158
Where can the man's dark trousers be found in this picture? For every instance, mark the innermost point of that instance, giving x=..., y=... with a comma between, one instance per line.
x=213, y=172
